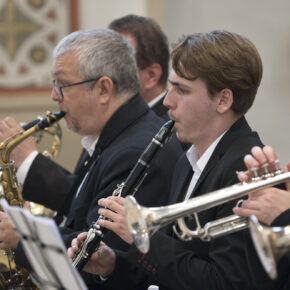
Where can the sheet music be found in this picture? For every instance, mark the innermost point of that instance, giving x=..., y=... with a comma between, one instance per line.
x=45, y=250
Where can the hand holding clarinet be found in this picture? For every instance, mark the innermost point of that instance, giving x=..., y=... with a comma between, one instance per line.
x=112, y=216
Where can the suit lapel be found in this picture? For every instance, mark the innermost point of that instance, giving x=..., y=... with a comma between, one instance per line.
x=82, y=161
x=209, y=166
x=185, y=172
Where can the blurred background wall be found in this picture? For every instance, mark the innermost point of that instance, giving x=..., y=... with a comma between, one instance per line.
x=265, y=22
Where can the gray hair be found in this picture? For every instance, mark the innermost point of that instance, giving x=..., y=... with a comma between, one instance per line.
x=103, y=52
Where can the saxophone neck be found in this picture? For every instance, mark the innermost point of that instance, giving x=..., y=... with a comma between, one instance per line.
x=10, y=143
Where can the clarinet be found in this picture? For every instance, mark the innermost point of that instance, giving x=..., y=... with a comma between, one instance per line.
x=129, y=186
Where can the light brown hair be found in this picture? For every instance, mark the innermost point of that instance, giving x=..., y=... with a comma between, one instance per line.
x=222, y=60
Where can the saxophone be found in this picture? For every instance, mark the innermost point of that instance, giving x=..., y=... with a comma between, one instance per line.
x=12, y=277
x=54, y=130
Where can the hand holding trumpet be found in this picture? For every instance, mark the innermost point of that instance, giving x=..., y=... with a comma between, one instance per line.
x=265, y=204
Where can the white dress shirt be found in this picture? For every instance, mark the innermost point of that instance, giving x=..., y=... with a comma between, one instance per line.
x=155, y=100
x=198, y=163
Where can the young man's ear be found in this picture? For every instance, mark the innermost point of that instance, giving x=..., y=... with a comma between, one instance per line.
x=105, y=89
x=225, y=100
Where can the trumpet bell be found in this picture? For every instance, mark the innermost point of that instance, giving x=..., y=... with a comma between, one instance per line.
x=271, y=244
x=262, y=242
x=137, y=224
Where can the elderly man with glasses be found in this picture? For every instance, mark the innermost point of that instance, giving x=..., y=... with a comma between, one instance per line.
x=96, y=85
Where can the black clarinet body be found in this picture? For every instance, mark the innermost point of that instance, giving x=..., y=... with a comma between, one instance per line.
x=129, y=186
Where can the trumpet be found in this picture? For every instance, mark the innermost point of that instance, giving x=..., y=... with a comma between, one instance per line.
x=271, y=244
x=144, y=222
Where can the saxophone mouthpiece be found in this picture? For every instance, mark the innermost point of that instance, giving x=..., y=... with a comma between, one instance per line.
x=59, y=114
x=44, y=122
x=50, y=119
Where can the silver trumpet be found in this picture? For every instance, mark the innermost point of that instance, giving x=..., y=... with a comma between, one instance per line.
x=270, y=243
x=144, y=222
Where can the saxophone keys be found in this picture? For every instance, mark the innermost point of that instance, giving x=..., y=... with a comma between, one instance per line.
x=9, y=196
x=14, y=202
x=4, y=185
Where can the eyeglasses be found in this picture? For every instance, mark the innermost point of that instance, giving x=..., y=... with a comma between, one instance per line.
x=59, y=88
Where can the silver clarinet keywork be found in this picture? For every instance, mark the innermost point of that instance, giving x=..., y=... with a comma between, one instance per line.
x=129, y=186
x=144, y=222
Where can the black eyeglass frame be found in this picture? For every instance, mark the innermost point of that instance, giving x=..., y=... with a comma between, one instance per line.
x=59, y=88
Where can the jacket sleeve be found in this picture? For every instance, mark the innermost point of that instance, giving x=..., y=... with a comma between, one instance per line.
x=282, y=220
x=48, y=186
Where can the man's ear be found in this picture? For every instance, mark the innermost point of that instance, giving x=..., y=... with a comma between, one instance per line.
x=151, y=75
x=225, y=100
x=105, y=89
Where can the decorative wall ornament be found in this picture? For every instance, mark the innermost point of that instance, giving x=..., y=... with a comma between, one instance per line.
x=29, y=31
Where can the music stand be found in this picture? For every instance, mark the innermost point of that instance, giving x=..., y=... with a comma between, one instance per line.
x=45, y=250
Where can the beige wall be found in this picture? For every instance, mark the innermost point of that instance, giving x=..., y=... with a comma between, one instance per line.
x=95, y=13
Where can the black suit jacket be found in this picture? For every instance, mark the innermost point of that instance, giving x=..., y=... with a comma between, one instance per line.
x=219, y=264
x=45, y=175
x=120, y=144
x=38, y=179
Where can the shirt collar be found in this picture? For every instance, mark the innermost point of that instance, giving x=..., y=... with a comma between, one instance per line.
x=198, y=163
x=89, y=143
x=158, y=98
